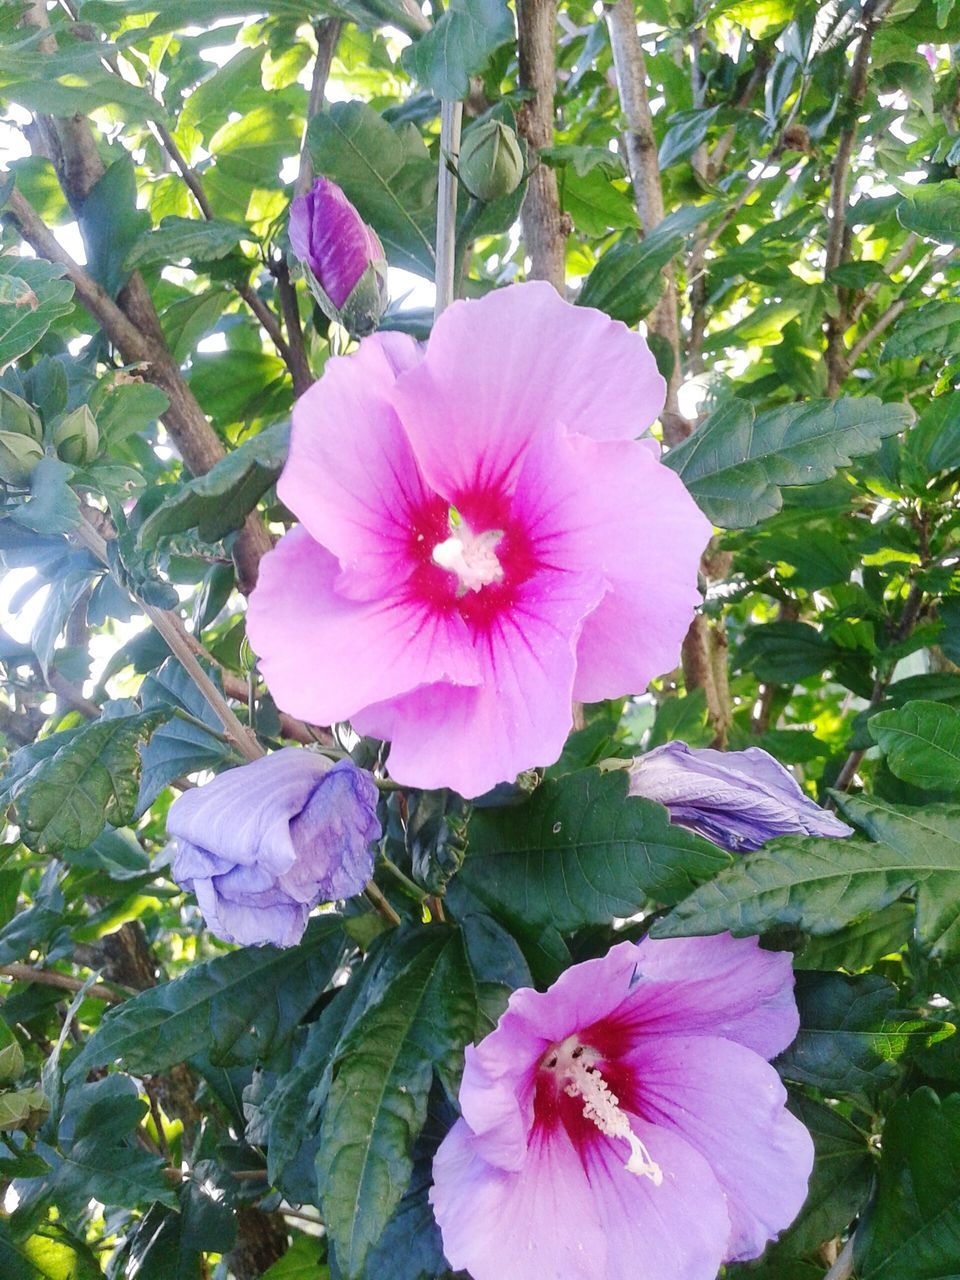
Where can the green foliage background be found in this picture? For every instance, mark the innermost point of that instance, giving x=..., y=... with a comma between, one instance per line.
x=173, y=1109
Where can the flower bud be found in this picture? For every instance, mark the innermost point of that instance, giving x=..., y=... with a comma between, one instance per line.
x=342, y=259
x=76, y=437
x=491, y=164
x=19, y=454
x=17, y=416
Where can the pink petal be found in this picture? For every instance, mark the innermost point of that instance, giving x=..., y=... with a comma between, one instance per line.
x=519, y=714
x=521, y=359
x=351, y=476
x=560, y=1218
x=325, y=657
x=648, y=534
x=719, y=986
x=728, y=1104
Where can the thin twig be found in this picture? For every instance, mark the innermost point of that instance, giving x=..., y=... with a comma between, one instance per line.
x=451, y=118
x=327, y=32
x=51, y=978
x=879, y=326
x=381, y=904
x=171, y=628
x=842, y=1269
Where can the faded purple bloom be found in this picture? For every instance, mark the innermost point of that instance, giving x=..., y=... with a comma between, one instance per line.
x=627, y=1120
x=262, y=844
x=342, y=258
x=737, y=799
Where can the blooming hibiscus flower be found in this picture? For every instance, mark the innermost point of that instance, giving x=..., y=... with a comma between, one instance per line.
x=482, y=539
x=626, y=1122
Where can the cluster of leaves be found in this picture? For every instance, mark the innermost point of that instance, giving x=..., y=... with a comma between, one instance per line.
x=188, y=1109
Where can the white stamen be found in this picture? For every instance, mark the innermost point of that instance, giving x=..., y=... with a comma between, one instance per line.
x=576, y=1063
x=472, y=557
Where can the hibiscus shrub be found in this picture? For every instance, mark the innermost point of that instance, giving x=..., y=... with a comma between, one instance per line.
x=481, y=641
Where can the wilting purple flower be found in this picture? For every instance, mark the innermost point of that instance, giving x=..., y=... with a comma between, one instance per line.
x=627, y=1122
x=737, y=799
x=262, y=844
x=342, y=258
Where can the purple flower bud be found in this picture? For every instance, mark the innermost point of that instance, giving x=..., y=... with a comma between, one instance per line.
x=262, y=844
x=342, y=258
x=737, y=799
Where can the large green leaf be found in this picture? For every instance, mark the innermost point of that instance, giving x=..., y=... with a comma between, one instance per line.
x=912, y=1229
x=45, y=1256
x=377, y=1105
x=852, y=1035
x=112, y=223
x=580, y=851
x=218, y=502
x=180, y=746
x=65, y=801
x=921, y=741
x=33, y=294
x=459, y=45
x=823, y=885
x=236, y=1008
x=736, y=462
x=387, y=173
x=931, y=330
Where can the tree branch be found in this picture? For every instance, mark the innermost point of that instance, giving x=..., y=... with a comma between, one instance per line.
x=544, y=228
x=640, y=145
x=52, y=978
x=327, y=32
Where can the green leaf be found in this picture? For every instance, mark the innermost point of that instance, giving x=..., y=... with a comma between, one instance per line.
x=195, y=239
x=33, y=294
x=928, y=839
x=218, y=502
x=840, y=1183
x=52, y=507
x=912, y=1229
x=169, y=1246
x=931, y=330
x=236, y=1008
x=112, y=224
x=65, y=801
x=922, y=743
x=579, y=851
x=736, y=462
x=378, y=1099
x=458, y=46
x=933, y=210
x=126, y=408
x=628, y=279
x=44, y=1257
x=685, y=132
x=387, y=173
x=300, y=1262
x=179, y=746
x=862, y=944
x=784, y=652
x=851, y=1034
x=595, y=204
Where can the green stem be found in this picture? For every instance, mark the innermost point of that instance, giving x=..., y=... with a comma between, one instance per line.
x=409, y=886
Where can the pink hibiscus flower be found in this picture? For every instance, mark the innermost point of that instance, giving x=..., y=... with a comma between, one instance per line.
x=482, y=539
x=627, y=1122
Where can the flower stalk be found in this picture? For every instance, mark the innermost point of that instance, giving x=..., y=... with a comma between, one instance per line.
x=451, y=120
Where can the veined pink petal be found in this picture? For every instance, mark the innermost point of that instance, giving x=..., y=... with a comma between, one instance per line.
x=728, y=1104
x=646, y=531
x=566, y=1217
x=518, y=716
x=498, y=370
x=325, y=657
x=351, y=476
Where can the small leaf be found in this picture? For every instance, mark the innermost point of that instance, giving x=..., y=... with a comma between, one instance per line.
x=458, y=46
x=933, y=210
x=931, y=331
x=196, y=239
x=33, y=294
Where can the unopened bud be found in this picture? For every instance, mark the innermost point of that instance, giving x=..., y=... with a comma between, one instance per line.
x=19, y=454
x=342, y=258
x=17, y=416
x=76, y=437
x=491, y=165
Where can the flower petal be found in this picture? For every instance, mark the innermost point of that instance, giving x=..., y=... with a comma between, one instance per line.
x=351, y=476
x=325, y=657
x=519, y=714
x=534, y=362
x=648, y=534
x=728, y=1104
x=244, y=814
x=279, y=924
x=561, y=1218
x=719, y=986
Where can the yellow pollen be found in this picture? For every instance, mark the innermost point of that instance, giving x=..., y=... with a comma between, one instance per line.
x=576, y=1064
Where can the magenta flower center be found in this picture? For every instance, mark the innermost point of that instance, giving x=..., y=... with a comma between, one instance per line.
x=471, y=556
x=575, y=1069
